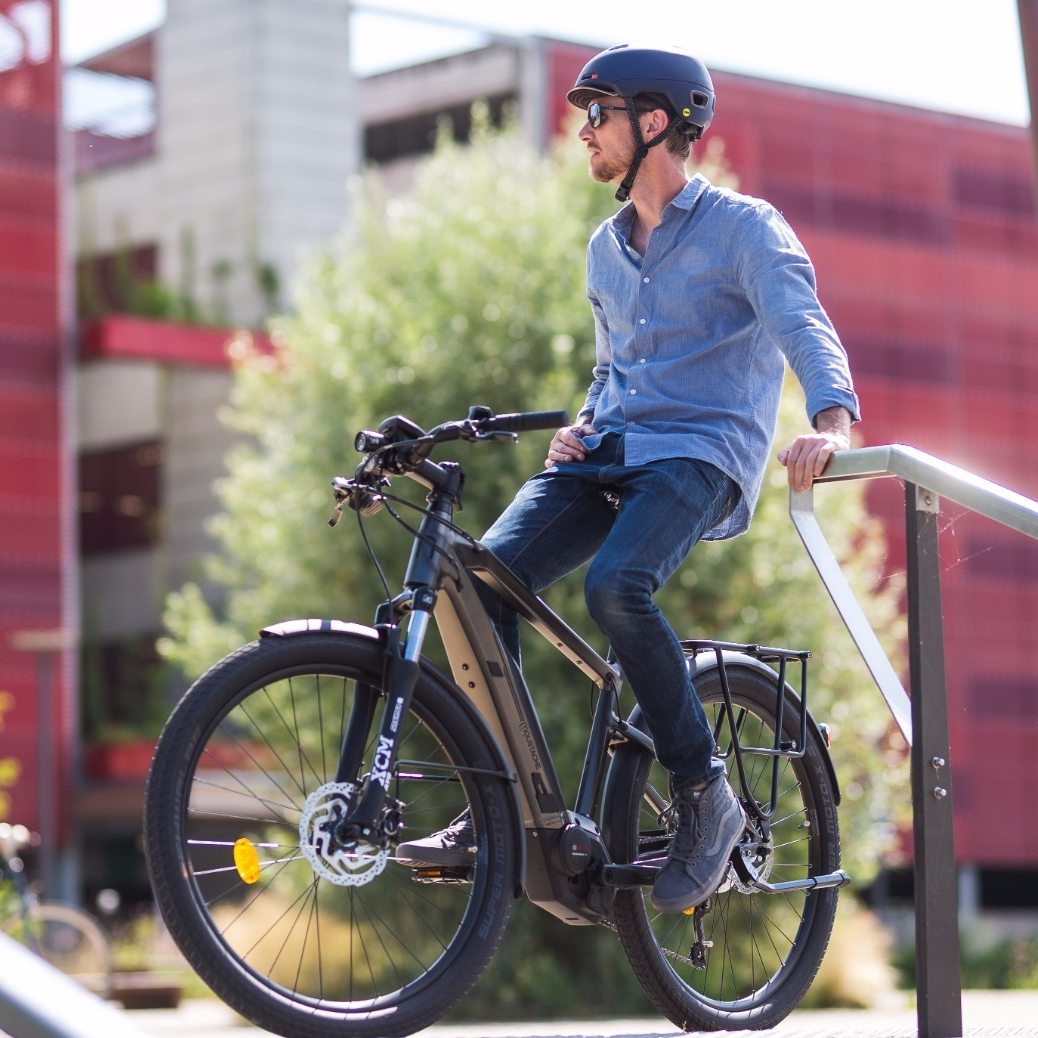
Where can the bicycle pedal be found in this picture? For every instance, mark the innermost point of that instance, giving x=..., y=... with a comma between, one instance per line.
x=442, y=874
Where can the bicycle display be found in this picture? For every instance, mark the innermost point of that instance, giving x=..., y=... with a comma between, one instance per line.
x=289, y=773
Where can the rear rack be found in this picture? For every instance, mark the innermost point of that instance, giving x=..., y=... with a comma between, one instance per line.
x=781, y=747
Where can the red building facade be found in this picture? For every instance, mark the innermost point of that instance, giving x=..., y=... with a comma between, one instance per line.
x=35, y=513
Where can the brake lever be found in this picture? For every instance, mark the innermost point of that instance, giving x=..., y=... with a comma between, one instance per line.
x=361, y=497
x=333, y=519
x=498, y=434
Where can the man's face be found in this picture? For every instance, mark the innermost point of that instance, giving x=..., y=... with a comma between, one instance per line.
x=610, y=146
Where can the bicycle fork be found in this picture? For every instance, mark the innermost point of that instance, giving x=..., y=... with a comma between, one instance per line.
x=369, y=821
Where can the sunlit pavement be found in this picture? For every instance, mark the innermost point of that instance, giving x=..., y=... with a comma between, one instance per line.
x=986, y=1014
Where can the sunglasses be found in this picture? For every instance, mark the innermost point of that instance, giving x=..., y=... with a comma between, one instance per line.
x=595, y=117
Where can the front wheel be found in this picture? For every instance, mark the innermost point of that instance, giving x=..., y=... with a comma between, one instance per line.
x=296, y=934
x=745, y=958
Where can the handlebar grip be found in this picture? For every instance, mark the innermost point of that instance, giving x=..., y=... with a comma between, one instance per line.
x=527, y=421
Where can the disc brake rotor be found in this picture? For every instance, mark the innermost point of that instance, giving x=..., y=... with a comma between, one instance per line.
x=757, y=859
x=346, y=865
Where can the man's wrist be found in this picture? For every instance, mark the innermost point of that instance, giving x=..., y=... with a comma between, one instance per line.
x=834, y=421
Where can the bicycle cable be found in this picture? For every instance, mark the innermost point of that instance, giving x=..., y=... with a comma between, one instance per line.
x=371, y=555
x=414, y=532
x=419, y=536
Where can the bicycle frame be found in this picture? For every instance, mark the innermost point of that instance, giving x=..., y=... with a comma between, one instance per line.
x=440, y=586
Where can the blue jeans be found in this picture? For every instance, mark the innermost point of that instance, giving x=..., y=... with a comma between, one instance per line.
x=560, y=519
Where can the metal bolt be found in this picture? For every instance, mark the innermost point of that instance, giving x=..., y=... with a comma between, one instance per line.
x=938, y=762
x=940, y=792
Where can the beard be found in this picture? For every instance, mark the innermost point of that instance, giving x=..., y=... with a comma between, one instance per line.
x=609, y=170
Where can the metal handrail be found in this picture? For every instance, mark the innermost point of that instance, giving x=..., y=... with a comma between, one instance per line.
x=923, y=719
x=949, y=481
x=38, y=1001
x=934, y=476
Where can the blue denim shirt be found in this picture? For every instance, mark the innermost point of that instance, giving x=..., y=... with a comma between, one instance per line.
x=690, y=338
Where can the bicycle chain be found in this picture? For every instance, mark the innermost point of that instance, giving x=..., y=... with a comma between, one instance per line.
x=668, y=952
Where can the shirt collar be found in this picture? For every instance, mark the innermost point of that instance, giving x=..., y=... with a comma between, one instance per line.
x=686, y=198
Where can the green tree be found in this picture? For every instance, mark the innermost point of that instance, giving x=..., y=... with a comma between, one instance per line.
x=467, y=289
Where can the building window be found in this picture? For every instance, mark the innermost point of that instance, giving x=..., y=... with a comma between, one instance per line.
x=119, y=498
x=123, y=688
x=416, y=134
x=117, y=282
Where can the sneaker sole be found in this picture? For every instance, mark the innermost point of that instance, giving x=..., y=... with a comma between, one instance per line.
x=698, y=896
x=412, y=856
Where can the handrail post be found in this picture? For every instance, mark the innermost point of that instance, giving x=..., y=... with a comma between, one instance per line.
x=925, y=722
x=938, y=980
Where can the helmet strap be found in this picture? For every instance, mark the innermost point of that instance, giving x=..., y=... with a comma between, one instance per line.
x=641, y=148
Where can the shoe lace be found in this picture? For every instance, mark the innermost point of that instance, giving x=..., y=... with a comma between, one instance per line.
x=460, y=830
x=682, y=813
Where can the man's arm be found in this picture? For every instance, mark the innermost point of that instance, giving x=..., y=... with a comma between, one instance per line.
x=806, y=457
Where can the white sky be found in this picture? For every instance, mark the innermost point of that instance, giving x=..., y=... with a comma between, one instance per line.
x=952, y=55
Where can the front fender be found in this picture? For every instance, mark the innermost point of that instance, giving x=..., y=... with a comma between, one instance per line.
x=286, y=628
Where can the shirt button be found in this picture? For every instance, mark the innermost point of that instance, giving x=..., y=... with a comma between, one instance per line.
x=634, y=392
x=646, y=280
x=642, y=321
x=642, y=361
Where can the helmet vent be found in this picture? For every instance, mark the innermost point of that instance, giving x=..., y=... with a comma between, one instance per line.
x=698, y=99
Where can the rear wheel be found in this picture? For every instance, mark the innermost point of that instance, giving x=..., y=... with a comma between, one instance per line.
x=295, y=933
x=745, y=958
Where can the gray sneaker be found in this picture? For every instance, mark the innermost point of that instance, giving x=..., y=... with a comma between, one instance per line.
x=453, y=846
x=710, y=822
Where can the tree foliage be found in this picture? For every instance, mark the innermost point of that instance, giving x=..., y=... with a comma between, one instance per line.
x=469, y=288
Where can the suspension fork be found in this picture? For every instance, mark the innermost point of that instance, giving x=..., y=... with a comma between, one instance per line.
x=402, y=668
x=402, y=665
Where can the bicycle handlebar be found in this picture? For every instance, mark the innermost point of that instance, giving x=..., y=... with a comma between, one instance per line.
x=401, y=447
x=527, y=421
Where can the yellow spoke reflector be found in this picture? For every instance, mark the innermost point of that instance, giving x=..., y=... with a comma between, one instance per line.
x=686, y=911
x=246, y=860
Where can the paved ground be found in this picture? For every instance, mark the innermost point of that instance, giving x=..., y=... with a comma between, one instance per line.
x=986, y=1014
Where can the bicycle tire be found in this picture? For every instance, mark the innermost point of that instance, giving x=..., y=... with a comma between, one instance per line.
x=287, y=948
x=69, y=939
x=767, y=948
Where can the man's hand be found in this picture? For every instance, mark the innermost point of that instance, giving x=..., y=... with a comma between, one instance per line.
x=806, y=457
x=567, y=444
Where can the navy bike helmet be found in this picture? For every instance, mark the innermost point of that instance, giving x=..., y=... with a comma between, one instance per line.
x=668, y=71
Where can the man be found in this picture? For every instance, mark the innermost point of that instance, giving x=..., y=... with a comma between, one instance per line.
x=697, y=294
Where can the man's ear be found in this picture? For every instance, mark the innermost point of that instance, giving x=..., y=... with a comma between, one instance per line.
x=657, y=123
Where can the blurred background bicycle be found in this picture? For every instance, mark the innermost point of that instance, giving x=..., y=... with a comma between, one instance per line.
x=66, y=936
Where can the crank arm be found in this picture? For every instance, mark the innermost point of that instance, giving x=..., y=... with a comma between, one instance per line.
x=637, y=874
